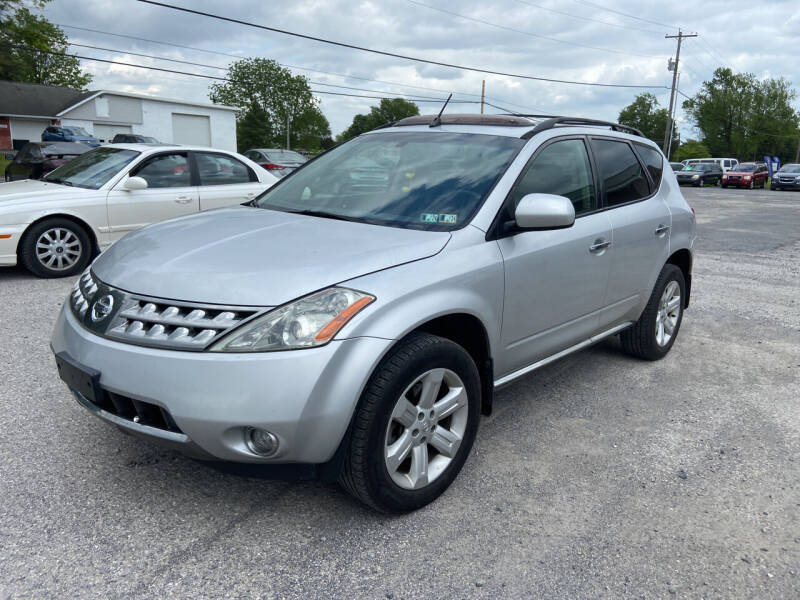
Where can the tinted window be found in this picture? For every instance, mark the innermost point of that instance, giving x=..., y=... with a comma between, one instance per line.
x=219, y=169
x=415, y=180
x=562, y=168
x=654, y=161
x=165, y=170
x=622, y=175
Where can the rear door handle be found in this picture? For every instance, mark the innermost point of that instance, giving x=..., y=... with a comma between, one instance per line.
x=183, y=199
x=661, y=229
x=599, y=245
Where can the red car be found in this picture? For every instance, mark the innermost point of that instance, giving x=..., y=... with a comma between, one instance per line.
x=749, y=175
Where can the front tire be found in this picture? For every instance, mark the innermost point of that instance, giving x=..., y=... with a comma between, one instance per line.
x=55, y=248
x=414, y=426
x=652, y=336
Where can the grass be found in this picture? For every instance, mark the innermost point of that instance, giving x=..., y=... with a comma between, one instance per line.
x=3, y=163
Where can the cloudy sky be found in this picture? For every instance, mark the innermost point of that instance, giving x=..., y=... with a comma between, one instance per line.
x=602, y=41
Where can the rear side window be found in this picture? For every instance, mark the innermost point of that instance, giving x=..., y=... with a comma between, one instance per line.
x=654, y=162
x=165, y=170
x=219, y=169
x=562, y=168
x=623, y=177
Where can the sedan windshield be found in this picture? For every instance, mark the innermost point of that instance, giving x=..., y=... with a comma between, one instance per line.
x=93, y=169
x=790, y=169
x=745, y=168
x=415, y=180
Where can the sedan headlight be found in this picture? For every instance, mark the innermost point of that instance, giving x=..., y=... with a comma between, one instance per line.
x=305, y=323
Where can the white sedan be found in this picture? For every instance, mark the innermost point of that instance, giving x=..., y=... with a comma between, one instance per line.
x=55, y=226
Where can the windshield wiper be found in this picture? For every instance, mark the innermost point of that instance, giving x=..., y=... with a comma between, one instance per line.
x=324, y=215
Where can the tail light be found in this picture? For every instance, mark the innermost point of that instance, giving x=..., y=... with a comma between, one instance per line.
x=272, y=167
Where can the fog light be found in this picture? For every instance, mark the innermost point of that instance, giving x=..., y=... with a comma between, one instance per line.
x=261, y=441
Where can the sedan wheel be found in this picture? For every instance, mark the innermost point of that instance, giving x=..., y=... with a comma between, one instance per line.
x=414, y=425
x=55, y=248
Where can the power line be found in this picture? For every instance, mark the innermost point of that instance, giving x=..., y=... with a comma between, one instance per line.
x=573, y=16
x=393, y=54
x=624, y=14
x=195, y=64
x=203, y=76
x=528, y=33
x=342, y=75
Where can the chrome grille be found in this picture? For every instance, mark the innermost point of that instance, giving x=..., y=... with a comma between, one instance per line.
x=154, y=321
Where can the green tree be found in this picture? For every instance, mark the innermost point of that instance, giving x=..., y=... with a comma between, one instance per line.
x=645, y=114
x=282, y=98
x=22, y=33
x=740, y=115
x=388, y=111
x=691, y=149
x=253, y=129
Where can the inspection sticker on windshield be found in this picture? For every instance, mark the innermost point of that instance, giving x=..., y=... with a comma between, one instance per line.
x=448, y=219
x=429, y=218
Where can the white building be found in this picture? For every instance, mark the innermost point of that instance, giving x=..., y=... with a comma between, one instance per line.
x=26, y=109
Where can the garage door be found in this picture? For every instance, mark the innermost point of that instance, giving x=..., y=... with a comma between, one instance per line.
x=25, y=130
x=192, y=130
x=106, y=133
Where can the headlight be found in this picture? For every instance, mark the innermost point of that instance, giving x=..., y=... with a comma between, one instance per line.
x=695, y=176
x=304, y=323
x=747, y=176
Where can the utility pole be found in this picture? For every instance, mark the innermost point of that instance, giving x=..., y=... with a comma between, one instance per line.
x=287, y=129
x=483, y=91
x=671, y=119
x=679, y=37
x=797, y=156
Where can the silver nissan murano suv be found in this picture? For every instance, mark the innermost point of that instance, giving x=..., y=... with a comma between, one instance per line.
x=352, y=322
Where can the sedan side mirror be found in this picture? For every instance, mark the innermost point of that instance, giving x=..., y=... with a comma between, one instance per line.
x=135, y=183
x=544, y=211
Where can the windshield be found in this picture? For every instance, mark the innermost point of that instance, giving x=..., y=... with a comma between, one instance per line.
x=415, y=180
x=76, y=131
x=287, y=155
x=92, y=169
x=745, y=168
x=790, y=169
x=695, y=167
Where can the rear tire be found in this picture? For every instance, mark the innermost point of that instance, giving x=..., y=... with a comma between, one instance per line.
x=652, y=336
x=55, y=248
x=407, y=446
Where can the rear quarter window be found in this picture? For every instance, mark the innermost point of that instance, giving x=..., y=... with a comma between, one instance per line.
x=623, y=177
x=654, y=161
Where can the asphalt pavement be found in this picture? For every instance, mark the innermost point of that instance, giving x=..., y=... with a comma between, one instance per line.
x=599, y=476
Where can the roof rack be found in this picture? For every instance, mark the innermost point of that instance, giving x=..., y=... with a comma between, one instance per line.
x=552, y=122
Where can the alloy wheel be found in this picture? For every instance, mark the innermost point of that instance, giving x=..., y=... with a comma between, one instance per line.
x=426, y=428
x=58, y=249
x=669, y=311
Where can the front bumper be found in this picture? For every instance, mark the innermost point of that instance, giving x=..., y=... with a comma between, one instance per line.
x=8, y=245
x=305, y=397
x=737, y=183
x=789, y=185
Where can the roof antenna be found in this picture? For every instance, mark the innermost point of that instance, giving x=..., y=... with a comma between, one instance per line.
x=438, y=120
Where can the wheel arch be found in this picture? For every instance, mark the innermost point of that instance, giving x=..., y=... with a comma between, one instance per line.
x=469, y=332
x=683, y=260
x=77, y=220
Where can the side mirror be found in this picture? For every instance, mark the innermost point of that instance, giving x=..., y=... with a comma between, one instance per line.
x=135, y=183
x=9, y=156
x=544, y=211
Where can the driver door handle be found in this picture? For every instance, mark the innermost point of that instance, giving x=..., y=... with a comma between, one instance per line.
x=661, y=229
x=599, y=245
x=183, y=199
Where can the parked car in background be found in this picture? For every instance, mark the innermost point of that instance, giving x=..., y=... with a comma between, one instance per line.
x=133, y=138
x=56, y=133
x=54, y=226
x=786, y=178
x=36, y=159
x=726, y=164
x=357, y=334
x=750, y=175
x=700, y=174
x=677, y=166
x=278, y=162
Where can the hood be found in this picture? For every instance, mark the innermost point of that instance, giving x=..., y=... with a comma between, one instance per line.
x=15, y=193
x=255, y=257
x=735, y=172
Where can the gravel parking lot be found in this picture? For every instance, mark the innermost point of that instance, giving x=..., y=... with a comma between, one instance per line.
x=598, y=476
